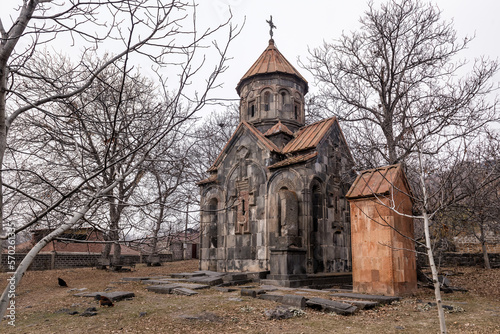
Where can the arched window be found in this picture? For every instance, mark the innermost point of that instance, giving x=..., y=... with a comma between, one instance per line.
x=267, y=101
x=317, y=206
x=296, y=111
x=251, y=109
x=212, y=230
x=284, y=99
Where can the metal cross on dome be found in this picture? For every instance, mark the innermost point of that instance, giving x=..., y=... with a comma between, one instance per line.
x=271, y=26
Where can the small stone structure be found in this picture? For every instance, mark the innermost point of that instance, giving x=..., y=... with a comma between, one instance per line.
x=275, y=196
x=383, y=256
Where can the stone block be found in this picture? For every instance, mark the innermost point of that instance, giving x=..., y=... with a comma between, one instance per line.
x=184, y=292
x=331, y=306
x=377, y=298
x=273, y=297
x=248, y=293
x=294, y=301
x=162, y=288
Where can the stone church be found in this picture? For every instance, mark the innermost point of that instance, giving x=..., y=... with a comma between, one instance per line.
x=275, y=196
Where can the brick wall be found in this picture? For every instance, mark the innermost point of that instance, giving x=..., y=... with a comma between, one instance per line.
x=45, y=261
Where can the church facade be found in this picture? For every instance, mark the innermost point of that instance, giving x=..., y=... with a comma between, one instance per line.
x=275, y=196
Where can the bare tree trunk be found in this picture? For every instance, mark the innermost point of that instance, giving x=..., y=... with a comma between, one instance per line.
x=435, y=279
x=487, y=264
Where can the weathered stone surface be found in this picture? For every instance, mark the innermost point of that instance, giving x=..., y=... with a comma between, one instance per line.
x=162, y=288
x=331, y=306
x=206, y=280
x=249, y=293
x=114, y=296
x=273, y=297
x=362, y=304
x=133, y=279
x=184, y=292
x=283, y=183
x=377, y=298
x=223, y=289
x=163, y=281
x=187, y=275
x=294, y=301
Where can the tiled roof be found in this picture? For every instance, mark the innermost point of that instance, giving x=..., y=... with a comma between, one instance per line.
x=294, y=160
x=376, y=181
x=271, y=61
x=278, y=128
x=309, y=136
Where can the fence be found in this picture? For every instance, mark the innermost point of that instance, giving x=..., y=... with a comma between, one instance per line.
x=53, y=260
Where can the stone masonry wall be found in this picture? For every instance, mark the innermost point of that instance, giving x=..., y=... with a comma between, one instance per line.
x=46, y=261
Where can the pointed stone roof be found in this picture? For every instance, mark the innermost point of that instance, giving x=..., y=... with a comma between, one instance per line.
x=271, y=61
x=260, y=139
x=278, y=128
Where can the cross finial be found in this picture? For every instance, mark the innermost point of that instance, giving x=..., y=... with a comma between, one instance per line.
x=271, y=26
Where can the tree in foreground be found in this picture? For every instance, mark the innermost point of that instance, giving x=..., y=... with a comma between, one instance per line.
x=395, y=85
x=162, y=34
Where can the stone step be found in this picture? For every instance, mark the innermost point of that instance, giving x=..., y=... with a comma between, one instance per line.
x=377, y=298
x=331, y=306
x=163, y=281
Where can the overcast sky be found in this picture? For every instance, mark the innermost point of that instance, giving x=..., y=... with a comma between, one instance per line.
x=302, y=24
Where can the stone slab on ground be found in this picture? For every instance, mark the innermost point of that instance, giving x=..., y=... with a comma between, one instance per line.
x=294, y=301
x=314, y=290
x=270, y=296
x=376, y=298
x=331, y=306
x=210, y=273
x=186, y=275
x=163, y=281
x=184, y=292
x=362, y=304
x=206, y=280
x=223, y=289
x=114, y=296
x=269, y=287
x=162, y=288
x=141, y=278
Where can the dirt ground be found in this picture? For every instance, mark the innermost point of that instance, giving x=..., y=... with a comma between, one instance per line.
x=39, y=298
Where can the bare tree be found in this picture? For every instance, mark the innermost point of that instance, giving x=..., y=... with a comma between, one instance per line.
x=395, y=83
x=158, y=32
x=398, y=72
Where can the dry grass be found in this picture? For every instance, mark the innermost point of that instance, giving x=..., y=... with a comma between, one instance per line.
x=39, y=297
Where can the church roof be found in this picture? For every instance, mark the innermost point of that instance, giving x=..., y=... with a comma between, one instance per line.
x=271, y=61
x=260, y=137
x=294, y=160
x=309, y=136
x=278, y=128
x=378, y=181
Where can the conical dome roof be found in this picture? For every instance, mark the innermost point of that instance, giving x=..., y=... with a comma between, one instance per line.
x=271, y=61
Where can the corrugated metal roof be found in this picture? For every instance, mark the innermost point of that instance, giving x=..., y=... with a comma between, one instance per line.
x=309, y=136
x=271, y=61
x=376, y=181
x=278, y=128
x=294, y=160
